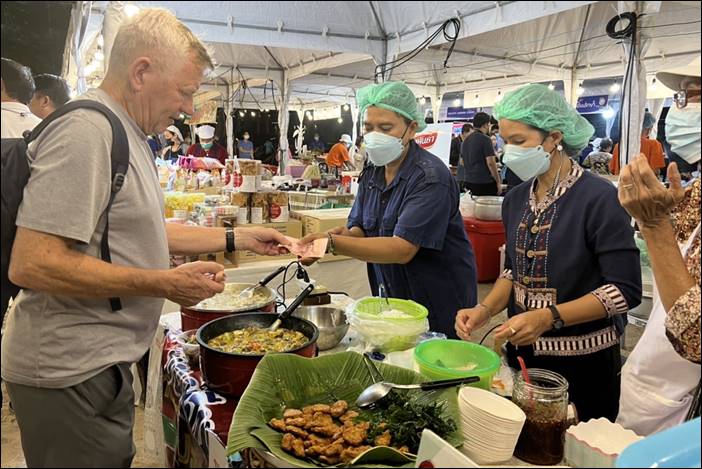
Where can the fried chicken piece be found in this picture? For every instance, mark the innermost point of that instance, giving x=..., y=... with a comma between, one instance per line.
x=296, y=422
x=338, y=434
x=315, y=440
x=287, y=442
x=277, y=424
x=403, y=449
x=339, y=408
x=299, y=432
x=333, y=450
x=349, y=454
x=330, y=461
x=314, y=450
x=357, y=434
x=307, y=411
x=298, y=448
x=383, y=439
x=329, y=430
x=292, y=413
x=319, y=420
x=349, y=416
x=323, y=408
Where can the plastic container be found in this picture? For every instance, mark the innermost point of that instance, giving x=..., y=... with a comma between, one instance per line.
x=486, y=237
x=384, y=333
x=545, y=403
x=443, y=359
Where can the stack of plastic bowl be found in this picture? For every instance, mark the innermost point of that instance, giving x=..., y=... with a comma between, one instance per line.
x=491, y=425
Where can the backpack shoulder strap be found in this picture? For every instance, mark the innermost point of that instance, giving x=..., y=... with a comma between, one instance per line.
x=119, y=156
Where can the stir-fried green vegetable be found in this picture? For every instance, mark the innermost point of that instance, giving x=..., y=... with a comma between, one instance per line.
x=406, y=418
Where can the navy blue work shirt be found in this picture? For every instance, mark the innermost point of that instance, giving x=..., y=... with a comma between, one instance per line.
x=420, y=206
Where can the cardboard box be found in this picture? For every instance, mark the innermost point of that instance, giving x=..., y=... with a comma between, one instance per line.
x=318, y=221
x=292, y=228
x=218, y=257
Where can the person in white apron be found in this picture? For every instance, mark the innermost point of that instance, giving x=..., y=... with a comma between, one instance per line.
x=662, y=375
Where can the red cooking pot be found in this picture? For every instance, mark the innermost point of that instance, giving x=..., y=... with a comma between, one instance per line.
x=220, y=305
x=230, y=373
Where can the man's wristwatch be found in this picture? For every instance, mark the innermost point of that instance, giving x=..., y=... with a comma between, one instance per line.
x=229, y=233
x=557, y=319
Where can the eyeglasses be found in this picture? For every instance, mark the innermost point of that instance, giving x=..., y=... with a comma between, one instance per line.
x=682, y=97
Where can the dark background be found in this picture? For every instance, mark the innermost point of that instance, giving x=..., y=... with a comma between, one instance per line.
x=34, y=34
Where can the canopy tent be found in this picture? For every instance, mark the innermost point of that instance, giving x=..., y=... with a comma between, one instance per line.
x=316, y=54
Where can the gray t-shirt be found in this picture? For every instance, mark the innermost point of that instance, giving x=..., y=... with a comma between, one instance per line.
x=56, y=341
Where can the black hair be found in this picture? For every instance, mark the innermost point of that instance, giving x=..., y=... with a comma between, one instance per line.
x=480, y=119
x=606, y=143
x=54, y=87
x=18, y=80
x=467, y=128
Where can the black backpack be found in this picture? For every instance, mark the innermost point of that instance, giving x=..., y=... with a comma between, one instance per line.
x=16, y=172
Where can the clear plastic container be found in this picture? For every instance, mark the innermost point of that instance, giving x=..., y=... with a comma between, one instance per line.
x=545, y=402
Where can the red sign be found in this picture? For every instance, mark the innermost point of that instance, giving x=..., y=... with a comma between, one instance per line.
x=426, y=140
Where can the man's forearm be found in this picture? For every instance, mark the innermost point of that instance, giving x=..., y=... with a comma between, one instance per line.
x=186, y=240
x=71, y=273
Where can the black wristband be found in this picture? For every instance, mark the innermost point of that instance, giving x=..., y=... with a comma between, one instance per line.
x=229, y=233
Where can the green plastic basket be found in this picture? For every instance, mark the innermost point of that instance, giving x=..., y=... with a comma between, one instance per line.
x=442, y=359
x=368, y=312
x=371, y=308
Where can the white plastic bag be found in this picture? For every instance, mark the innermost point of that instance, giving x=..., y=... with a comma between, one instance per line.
x=467, y=205
x=386, y=334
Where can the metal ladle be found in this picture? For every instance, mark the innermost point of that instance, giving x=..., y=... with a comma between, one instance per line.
x=377, y=391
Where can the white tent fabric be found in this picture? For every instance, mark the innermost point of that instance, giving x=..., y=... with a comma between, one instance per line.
x=319, y=53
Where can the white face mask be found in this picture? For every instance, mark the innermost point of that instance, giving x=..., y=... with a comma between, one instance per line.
x=382, y=149
x=682, y=130
x=526, y=162
x=246, y=137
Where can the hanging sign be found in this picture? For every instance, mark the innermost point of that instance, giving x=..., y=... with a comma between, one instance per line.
x=592, y=104
x=436, y=139
x=460, y=113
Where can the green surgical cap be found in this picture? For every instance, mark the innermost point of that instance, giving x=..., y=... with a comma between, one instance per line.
x=393, y=96
x=545, y=109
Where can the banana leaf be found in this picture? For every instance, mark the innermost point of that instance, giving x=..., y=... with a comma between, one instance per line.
x=290, y=381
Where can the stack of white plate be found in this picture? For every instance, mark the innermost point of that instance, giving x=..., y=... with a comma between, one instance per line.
x=491, y=425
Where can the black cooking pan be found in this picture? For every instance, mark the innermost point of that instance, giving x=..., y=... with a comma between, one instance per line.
x=230, y=373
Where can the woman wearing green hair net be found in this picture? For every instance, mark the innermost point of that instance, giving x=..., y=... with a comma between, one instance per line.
x=405, y=222
x=572, y=267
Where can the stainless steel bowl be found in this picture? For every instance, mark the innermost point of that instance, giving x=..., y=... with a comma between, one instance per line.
x=331, y=323
x=488, y=208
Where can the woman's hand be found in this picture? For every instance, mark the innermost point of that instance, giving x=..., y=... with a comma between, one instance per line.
x=339, y=230
x=644, y=197
x=525, y=328
x=468, y=320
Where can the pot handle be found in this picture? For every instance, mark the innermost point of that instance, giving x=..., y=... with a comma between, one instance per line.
x=297, y=302
x=272, y=276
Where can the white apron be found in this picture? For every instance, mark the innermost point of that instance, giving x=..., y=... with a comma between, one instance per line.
x=657, y=383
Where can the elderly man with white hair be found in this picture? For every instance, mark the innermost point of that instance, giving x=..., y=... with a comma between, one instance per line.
x=207, y=146
x=67, y=351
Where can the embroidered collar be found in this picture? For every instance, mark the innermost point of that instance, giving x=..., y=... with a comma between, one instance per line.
x=575, y=173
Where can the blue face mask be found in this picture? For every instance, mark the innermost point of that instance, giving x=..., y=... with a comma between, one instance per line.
x=382, y=149
x=207, y=146
x=526, y=162
x=682, y=129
